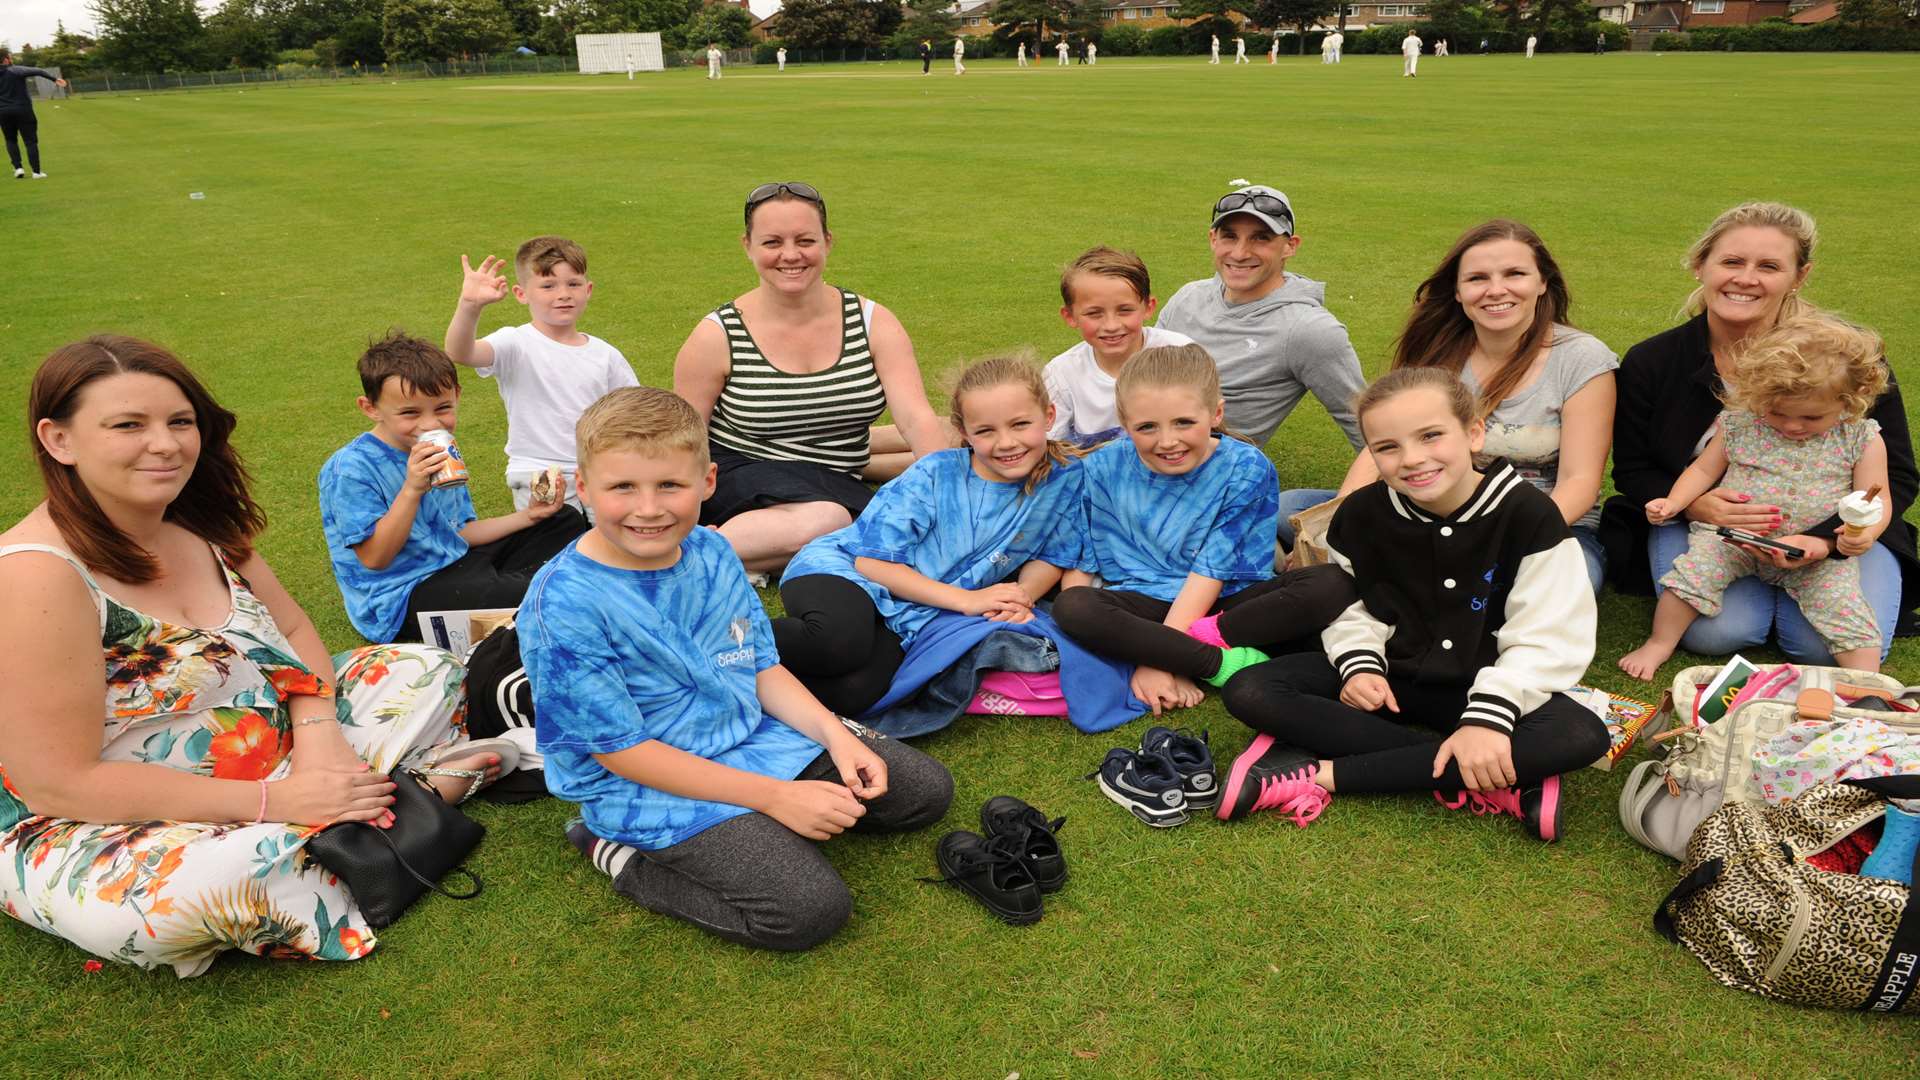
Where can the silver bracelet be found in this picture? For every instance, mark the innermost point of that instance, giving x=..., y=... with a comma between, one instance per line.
x=316, y=720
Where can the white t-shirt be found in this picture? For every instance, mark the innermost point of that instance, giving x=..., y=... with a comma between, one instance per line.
x=546, y=386
x=1410, y=46
x=1082, y=392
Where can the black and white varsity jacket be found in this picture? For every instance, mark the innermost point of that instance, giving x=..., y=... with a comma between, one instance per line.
x=1494, y=596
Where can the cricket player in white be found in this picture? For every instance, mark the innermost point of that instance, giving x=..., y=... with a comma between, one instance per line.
x=713, y=61
x=1063, y=52
x=1216, y=50
x=1531, y=42
x=1023, y=54
x=1239, y=50
x=1410, y=49
x=959, y=51
x=780, y=55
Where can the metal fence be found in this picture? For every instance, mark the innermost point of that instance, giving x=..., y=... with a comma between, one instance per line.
x=115, y=82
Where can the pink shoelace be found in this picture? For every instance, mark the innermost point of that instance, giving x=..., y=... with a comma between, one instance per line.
x=1498, y=801
x=1295, y=795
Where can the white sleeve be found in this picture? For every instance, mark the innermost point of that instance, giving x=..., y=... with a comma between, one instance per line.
x=619, y=372
x=1355, y=642
x=1546, y=642
x=1060, y=392
x=506, y=353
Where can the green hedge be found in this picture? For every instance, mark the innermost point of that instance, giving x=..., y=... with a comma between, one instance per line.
x=1386, y=39
x=1780, y=36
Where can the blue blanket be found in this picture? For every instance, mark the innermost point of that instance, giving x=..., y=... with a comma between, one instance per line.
x=1097, y=689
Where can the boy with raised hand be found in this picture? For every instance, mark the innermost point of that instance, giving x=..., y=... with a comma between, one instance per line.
x=402, y=543
x=1107, y=296
x=548, y=371
x=701, y=766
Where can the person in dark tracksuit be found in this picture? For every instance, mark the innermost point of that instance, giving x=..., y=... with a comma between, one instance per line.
x=16, y=113
x=926, y=57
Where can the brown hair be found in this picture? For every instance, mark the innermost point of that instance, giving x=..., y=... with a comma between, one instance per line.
x=1107, y=262
x=1402, y=379
x=414, y=361
x=1796, y=224
x=214, y=505
x=1013, y=369
x=1438, y=333
x=1182, y=367
x=542, y=253
x=1808, y=355
x=642, y=418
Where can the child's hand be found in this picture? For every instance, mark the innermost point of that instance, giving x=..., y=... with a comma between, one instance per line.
x=485, y=285
x=540, y=511
x=862, y=770
x=998, y=598
x=1485, y=757
x=1368, y=693
x=1661, y=511
x=423, y=461
x=1159, y=690
x=814, y=808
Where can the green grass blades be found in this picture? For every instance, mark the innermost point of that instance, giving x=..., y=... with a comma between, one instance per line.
x=1392, y=937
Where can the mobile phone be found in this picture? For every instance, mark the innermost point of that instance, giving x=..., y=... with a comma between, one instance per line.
x=1742, y=536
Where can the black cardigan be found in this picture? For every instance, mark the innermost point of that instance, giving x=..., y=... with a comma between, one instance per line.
x=1668, y=389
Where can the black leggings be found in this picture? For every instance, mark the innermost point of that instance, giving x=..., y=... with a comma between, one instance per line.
x=21, y=124
x=492, y=575
x=834, y=642
x=1284, y=614
x=1296, y=700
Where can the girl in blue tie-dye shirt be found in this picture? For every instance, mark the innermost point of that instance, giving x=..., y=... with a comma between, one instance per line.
x=986, y=529
x=1181, y=523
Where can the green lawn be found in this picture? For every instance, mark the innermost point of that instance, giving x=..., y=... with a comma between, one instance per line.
x=1391, y=938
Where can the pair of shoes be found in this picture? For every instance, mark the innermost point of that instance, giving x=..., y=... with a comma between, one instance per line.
x=506, y=749
x=1170, y=774
x=1537, y=806
x=1011, y=866
x=1270, y=775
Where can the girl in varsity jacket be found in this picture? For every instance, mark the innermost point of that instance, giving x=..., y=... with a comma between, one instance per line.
x=1447, y=673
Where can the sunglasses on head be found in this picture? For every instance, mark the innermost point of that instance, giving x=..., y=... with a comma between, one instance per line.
x=773, y=191
x=1258, y=200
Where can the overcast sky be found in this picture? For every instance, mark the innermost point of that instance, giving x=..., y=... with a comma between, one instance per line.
x=24, y=22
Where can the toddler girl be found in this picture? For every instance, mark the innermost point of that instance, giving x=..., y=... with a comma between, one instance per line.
x=1794, y=434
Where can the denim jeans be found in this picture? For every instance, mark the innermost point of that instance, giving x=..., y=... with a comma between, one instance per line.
x=1753, y=609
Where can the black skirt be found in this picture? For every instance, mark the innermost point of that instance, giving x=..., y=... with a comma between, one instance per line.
x=749, y=483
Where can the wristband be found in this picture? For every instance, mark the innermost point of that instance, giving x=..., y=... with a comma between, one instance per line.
x=304, y=721
x=262, y=815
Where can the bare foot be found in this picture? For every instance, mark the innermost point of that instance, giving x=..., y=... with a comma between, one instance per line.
x=1643, y=662
x=454, y=788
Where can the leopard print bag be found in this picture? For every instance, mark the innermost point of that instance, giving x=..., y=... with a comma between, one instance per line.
x=1763, y=920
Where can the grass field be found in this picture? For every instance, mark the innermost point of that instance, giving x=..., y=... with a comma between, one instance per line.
x=1391, y=938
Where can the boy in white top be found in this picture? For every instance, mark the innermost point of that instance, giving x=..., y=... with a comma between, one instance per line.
x=1410, y=49
x=1107, y=298
x=547, y=370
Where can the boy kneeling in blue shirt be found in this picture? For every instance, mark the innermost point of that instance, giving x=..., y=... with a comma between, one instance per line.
x=703, y=769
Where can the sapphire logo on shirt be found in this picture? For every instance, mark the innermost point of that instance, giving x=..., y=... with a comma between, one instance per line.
x=999, y=558
x=741, y=655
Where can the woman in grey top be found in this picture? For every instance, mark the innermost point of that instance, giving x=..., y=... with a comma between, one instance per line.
x=1495, y=310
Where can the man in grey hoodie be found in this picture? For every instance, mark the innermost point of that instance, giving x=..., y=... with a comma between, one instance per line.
x=1269, y=332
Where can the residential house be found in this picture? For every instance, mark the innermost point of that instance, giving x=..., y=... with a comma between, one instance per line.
x=1733, y=12
x=1815, y=13
x=1364, y=15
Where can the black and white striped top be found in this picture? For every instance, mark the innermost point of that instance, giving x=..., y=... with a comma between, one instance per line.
x=822, y=417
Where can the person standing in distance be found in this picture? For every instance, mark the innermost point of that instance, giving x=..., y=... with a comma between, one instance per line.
x=16, y=113
x=1410, y=49
x=1239, y=49
x=959, y=55
x=713, y=60
x=1216, y=50
x=1267, y=330
x=1023, y=54
x=1093, y=54
x=926, y=57
x=1532, y=40
x=780, y=57
x=1339, y=44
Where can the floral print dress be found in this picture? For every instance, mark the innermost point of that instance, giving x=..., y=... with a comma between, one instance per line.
x=213, y=702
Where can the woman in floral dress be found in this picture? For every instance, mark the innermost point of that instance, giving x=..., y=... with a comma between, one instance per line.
x=168, y=826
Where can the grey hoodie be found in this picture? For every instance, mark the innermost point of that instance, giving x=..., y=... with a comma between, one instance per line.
x=1270, y=351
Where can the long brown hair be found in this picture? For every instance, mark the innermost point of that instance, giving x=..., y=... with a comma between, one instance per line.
x=1013, y=369
x=1439, y=334
x=214, y=505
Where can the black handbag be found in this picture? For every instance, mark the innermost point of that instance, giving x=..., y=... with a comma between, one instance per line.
x=386, y=870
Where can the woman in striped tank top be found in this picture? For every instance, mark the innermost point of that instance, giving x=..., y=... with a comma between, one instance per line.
x=790, y=378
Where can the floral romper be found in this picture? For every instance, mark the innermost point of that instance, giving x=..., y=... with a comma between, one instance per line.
x=212, y=702
x=1806, y=478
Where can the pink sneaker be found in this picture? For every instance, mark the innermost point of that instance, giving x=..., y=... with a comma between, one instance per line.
x=1270, y=775
x=1537, y=805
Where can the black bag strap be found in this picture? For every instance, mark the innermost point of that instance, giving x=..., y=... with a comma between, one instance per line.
x=422, y=878
x=1901, y=969
x=1703, y=877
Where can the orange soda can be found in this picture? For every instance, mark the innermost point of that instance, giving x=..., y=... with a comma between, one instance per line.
x=455, y=470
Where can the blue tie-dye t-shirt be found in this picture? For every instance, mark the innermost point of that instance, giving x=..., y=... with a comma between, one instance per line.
x=357, y=487
x=941, y=518
x=620, y=657
x=1147, y=531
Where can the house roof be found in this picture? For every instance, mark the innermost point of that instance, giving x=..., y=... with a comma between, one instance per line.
x=1660, y=17
x=1816, y=13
